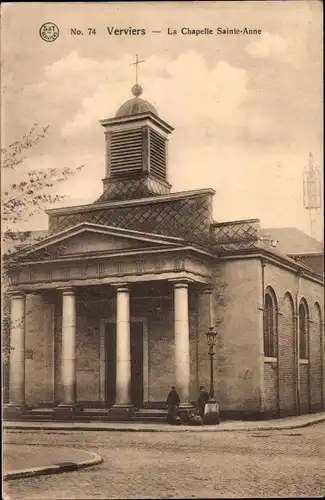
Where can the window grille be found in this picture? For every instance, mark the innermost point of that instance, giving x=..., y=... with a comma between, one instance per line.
x=270, y=327
x=303, y=331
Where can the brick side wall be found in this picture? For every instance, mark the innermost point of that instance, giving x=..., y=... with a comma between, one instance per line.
x=270, y=386
x=285, y=283
x=304, y=388
x=316, y=361
x=287, y=358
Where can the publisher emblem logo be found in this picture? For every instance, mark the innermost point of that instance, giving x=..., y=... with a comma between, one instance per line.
x=49, y=32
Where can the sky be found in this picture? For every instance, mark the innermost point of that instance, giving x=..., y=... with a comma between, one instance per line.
x=247, y=109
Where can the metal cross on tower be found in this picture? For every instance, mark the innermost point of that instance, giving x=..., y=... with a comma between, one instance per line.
x=136, y=64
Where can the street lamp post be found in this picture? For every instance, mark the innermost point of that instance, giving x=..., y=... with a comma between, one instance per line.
x=211, y=340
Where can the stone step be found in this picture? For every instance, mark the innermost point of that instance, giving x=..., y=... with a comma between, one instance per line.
x=113, y=418
x=152, y=411
x=149, y=415
x=95, y=414
x=40, y=411
x=149, y=419
x=35, y=418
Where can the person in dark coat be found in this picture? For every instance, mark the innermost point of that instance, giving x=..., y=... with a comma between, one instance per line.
x=202, y=399
x=173, y=402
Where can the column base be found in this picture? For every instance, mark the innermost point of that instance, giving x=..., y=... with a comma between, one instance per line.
x=65, y=411
x=123, y=406
x=47, y=404
x=183, y=411
x=186, y=406
x=122, y=410
x=14, y=411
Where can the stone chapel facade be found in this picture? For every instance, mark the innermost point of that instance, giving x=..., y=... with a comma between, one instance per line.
x=111, y=308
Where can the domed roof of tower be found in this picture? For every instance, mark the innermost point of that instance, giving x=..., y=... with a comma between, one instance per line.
x=136, y=105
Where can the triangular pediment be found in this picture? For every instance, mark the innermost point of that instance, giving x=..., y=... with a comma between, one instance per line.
x=89, y=239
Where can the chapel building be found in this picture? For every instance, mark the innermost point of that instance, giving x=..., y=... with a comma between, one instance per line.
x=111, y=307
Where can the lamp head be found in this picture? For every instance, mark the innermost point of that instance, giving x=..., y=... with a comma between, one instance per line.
x=211, y=337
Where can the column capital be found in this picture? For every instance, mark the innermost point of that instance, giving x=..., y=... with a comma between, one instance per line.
x=67, y=290
x=17, y=294
x=206, y=289
x=181, y=282
x=121, y=287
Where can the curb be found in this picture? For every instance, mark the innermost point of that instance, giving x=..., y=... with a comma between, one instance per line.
x=53, y=469
x=67, y=427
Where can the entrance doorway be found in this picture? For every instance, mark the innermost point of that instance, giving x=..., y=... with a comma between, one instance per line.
x=136, y=328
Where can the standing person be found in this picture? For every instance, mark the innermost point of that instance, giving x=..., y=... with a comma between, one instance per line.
x=173, y=402
x=202, y=399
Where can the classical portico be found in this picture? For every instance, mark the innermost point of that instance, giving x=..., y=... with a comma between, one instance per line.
x=117, y=284
x=134, y=286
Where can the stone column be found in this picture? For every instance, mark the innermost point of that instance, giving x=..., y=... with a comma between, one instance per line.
x=182, y=342
x=68, y=356
x=123, y=348
x=17, y=353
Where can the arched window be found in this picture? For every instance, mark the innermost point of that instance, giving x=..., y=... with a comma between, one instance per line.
x=303, y=331
x=270, y=326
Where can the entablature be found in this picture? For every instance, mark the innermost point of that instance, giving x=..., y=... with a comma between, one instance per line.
x=142, y=266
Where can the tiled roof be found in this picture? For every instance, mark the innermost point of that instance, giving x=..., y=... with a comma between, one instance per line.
x=185, y=215
x=293, y=241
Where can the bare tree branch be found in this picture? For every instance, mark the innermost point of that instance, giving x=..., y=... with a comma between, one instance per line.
x=35, y=189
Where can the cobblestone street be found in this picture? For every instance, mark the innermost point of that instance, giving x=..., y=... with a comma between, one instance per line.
x=263, y=464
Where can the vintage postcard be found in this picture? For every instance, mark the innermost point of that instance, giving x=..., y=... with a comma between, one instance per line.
x=162, y=250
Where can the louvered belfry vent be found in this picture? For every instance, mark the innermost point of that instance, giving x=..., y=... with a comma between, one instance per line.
x=157, y=155
x=126, y=153
x=136, y=140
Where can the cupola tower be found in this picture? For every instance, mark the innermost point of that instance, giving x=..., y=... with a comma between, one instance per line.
x=136, y=151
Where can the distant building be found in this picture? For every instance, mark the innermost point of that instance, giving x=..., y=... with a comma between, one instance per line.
x=298, y=246
x=111, y=307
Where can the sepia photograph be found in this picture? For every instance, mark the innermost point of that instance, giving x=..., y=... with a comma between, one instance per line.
x=162, y=250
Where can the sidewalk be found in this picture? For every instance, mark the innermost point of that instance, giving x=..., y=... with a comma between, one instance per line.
x=227, y=426
x=43, y=460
